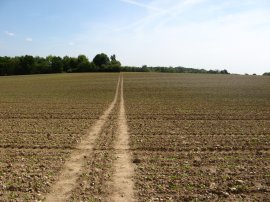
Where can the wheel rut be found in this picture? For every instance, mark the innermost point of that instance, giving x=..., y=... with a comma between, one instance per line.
x=72, y=168
x=122, y=179
x=107, y=141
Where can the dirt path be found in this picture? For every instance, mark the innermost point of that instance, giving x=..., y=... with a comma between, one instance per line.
x=73, y=167
x=122, y=182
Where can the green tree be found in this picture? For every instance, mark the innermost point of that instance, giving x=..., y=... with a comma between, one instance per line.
x=224, y=71
x=41, y=66
x=115, y=65
x=66, y=64
x=101, y=61
x=83, y=64
x=82, y=59
x=145, y=68
x=55, y=63
x=25, y=64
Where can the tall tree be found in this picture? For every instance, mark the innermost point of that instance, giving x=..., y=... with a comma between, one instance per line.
x=101, y=61
x=83, y=64
x=25, y=64
x=55, y=63
x=115, y=65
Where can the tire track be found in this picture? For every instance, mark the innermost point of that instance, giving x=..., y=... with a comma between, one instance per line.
x=61, y=190
x=122, y=182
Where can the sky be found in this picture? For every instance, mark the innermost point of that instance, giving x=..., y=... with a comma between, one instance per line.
x=209, y=34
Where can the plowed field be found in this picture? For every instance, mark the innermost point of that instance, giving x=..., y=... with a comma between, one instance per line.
x=42, y=118
x=199, y=137
x=134, y=137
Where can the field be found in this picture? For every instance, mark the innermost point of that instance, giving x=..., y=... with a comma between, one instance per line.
x=181, y=137
x=41, y=120
x=203, y=137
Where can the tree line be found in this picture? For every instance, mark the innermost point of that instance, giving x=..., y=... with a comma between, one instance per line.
x=173, y=70
x=54, y=64
x=22, y=65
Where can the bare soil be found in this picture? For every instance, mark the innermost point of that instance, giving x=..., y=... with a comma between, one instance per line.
x=66, y=182
x=122, y=180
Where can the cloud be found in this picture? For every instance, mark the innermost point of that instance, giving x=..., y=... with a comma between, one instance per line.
x=9, y=33
x=197, y=33
x=142, y=5
x=29, y=39
x=162, y=13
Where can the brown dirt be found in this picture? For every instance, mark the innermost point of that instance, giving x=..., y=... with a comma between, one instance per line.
x=122, y=182
x=66, y=182
x=92, y=185
x=199, y=137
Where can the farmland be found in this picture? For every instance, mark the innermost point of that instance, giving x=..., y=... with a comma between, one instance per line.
x=42, y=118
x=199, y=137
x=191, y=136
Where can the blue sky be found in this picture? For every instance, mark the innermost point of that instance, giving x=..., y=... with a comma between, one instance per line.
x=217, y=34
